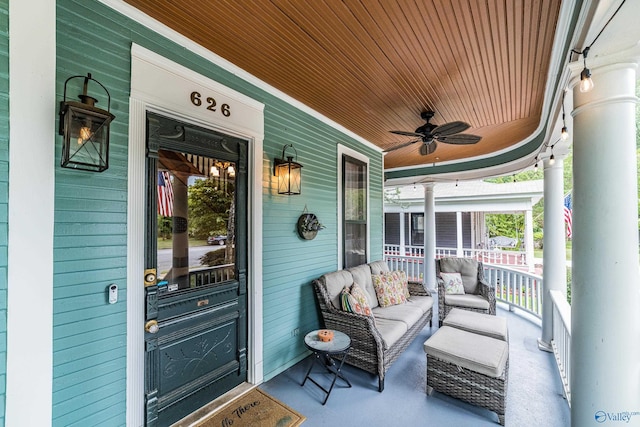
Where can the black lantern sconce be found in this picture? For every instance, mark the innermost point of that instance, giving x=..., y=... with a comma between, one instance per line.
x=288, y=173
x=85, y=129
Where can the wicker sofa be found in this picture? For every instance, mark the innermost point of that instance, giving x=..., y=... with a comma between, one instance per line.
x=376, y=342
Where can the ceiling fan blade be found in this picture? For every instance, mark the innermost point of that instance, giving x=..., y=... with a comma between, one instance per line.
x=404, y=144
x=426, y=149
x=413, y=134
x=450, y=128
x=461, y=139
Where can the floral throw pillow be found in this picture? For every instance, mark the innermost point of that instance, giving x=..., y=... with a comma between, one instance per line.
x=402, y=276
x=389, y=290
x=354, y=300
x=452, y=283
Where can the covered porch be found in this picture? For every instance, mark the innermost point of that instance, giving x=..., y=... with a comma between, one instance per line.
x=349, y=84
x=535, y=395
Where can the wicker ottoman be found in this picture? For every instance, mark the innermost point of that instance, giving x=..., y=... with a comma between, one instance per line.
x=470, y=367
x=478, y=323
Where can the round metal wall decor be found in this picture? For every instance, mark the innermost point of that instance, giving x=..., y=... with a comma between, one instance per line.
x=308, y=226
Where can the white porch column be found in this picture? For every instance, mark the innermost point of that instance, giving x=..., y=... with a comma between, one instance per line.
x=429, y=237
x=32, y=159
x=459, y=240
x=528, y=238
x=555, y=257
x=403, y=250
x=605, y=296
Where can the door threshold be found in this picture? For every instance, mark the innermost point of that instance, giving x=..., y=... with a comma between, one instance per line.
x=214, y=406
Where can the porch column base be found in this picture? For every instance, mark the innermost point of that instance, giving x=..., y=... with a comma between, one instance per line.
x=544, y=346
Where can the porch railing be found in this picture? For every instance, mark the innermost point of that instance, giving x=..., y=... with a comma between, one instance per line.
x=561, y=341
x=513, y=287
x=516, y=288
x=487, y=256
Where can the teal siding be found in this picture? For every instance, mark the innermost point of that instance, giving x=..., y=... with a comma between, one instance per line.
x=4, y=194
x=90, y=221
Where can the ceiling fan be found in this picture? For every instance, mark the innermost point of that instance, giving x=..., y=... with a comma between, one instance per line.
x=429, y=134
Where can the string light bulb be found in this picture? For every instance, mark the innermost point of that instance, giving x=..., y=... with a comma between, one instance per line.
x=552, y=159
x=586, y=83
x=564, y=134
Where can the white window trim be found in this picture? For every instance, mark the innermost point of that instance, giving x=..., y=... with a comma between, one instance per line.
x=342, y=151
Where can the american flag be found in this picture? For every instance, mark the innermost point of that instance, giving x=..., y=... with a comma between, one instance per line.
x=165, y=194
x=568, y=207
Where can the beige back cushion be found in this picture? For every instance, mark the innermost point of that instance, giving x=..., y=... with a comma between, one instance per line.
x=468, y=269
x=335, y=283
x=362, y=276
x=378, y=267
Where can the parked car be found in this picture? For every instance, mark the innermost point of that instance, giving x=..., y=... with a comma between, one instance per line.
x=216, y=240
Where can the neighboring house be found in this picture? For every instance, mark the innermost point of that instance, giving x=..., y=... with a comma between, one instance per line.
x=460, y=213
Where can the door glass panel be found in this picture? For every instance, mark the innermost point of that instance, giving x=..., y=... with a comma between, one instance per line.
x=196, y=221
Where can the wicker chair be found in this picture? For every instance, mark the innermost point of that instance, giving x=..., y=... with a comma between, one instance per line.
x=479, y=295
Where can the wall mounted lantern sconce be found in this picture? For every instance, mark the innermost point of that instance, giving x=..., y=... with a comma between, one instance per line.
x=85, y=129
x=288, y=172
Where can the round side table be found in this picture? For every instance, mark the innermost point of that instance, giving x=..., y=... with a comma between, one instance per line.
x=330, y=355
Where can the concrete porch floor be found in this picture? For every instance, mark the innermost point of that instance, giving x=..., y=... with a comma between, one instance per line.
x=534, y=396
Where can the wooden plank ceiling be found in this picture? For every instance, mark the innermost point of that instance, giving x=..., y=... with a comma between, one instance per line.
x=374, y=65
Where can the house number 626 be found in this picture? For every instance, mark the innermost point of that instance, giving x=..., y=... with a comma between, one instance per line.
x=196, y=99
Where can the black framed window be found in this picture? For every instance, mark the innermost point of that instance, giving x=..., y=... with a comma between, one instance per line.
x=354, y=211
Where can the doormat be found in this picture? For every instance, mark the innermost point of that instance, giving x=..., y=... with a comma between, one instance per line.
x=254, y=409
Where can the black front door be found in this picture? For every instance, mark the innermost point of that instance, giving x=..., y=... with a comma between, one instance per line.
x=196, y=260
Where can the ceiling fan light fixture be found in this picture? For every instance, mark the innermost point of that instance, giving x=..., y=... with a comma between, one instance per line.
x=430, y=134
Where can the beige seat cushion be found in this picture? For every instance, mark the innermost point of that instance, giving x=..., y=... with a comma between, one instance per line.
x=390, y=331
x=467, y=300
x=487, y=356
x=425, y=303
x=409, y=314
x=479, y=323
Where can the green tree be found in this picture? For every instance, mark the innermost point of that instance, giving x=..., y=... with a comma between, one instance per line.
x=209, y=208
x=510, y=225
